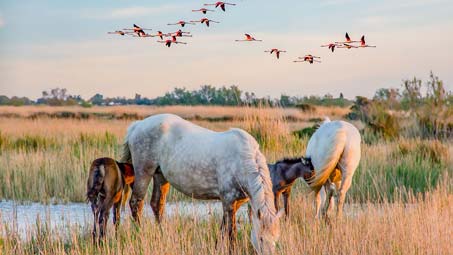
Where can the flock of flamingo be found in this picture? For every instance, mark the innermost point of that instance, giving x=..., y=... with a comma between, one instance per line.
x=138, y=31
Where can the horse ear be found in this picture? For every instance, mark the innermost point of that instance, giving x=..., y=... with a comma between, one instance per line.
x=303, y=160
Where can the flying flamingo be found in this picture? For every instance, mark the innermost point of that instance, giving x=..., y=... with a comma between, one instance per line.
x=249, y=38
x=158, y=34
x=277, y=52
x=221, y=4
x=308, y=58
x=180, y=33
x=119, y=32
x=203, y=10
x=182, y=23
x=331, y=46
x=363, y=44
x=347, y=46
x=348, y=39
x=138, y=30
x=205, y=20
x=168, y=42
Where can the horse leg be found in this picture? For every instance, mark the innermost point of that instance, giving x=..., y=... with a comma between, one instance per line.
x=286, y=194
x=329, y=190
x=276, y=200
x=158, y=198
x=141, y=183
x=345, y=185
x=104, y=216
x=117, y=215
x=229, y=220
x=319, y=197
x=95, y=222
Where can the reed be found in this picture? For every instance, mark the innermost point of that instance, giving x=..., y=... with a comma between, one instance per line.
x=51, y=166
x=422, y=227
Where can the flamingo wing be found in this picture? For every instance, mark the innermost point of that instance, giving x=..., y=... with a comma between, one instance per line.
x=348, y=39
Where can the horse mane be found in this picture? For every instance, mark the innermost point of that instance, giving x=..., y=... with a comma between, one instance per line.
x=259, y=183
x=289, y=160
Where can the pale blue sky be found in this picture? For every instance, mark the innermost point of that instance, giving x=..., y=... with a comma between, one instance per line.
x=50, y=43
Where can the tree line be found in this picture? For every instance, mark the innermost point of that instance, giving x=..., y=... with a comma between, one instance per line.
x=205, y=95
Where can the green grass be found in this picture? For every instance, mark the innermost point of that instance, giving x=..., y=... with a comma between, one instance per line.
x=45, y=169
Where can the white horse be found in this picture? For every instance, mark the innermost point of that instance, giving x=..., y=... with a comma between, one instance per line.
x=334, y=150
x=202, y=164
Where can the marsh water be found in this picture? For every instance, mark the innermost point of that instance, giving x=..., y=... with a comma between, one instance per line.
x=20, y=217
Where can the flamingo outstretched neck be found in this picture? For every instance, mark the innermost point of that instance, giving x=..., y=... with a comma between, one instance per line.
x=249, y=38
x=220, y=4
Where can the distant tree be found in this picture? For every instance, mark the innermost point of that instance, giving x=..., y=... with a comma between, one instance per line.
x=97, y=99
x=4, y=100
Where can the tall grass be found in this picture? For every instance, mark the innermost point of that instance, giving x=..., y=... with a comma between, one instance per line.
x=423, y=227
x=47, y=160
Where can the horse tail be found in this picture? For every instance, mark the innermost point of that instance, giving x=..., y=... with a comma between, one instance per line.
x=126, y=156
x=333, y=149
x=96, y=179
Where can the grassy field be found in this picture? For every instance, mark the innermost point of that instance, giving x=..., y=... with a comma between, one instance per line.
x=400, y=201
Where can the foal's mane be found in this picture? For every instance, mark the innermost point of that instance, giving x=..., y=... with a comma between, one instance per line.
x=289, y=160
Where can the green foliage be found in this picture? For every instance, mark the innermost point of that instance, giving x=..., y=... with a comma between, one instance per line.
x=374, y=114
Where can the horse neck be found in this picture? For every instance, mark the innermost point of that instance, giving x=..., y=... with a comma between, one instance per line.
x=289, y=172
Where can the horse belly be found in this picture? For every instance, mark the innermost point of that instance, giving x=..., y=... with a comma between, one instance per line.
x=193, y=182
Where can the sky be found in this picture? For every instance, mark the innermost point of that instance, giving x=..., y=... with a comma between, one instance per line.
x=50, y=43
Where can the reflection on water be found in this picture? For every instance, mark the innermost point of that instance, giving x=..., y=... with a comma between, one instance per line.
x=23, y=216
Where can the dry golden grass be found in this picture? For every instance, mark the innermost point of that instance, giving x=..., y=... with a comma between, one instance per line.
x=183, y=111
x=421, y=227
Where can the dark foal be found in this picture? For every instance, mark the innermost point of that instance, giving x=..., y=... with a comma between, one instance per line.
x=284, y=173
x=105, y=186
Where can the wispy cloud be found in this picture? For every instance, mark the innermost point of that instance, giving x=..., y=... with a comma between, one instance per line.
x=132, y=11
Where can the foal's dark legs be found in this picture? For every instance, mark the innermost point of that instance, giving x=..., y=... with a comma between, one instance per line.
x=286, y=194
x=277, y=200
x=160, y=190
x=117, y=215
x=95, y=222
x=104, y=216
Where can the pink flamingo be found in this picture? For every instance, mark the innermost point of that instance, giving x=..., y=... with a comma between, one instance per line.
x=180, y=33
x=119, y=32
x=138, y=30
x=363, y=43
x=277, y=52
x=249, y=38
x=331, y=46
x=169, y=42
x=205, y=20
x=203, y=10
x=308, y=58
x=347, y=46
x=181, y=23
x=348, y=39
x=220, y=4
x=158, y=34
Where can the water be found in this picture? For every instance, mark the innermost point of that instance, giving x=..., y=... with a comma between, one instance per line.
x=21, y=217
